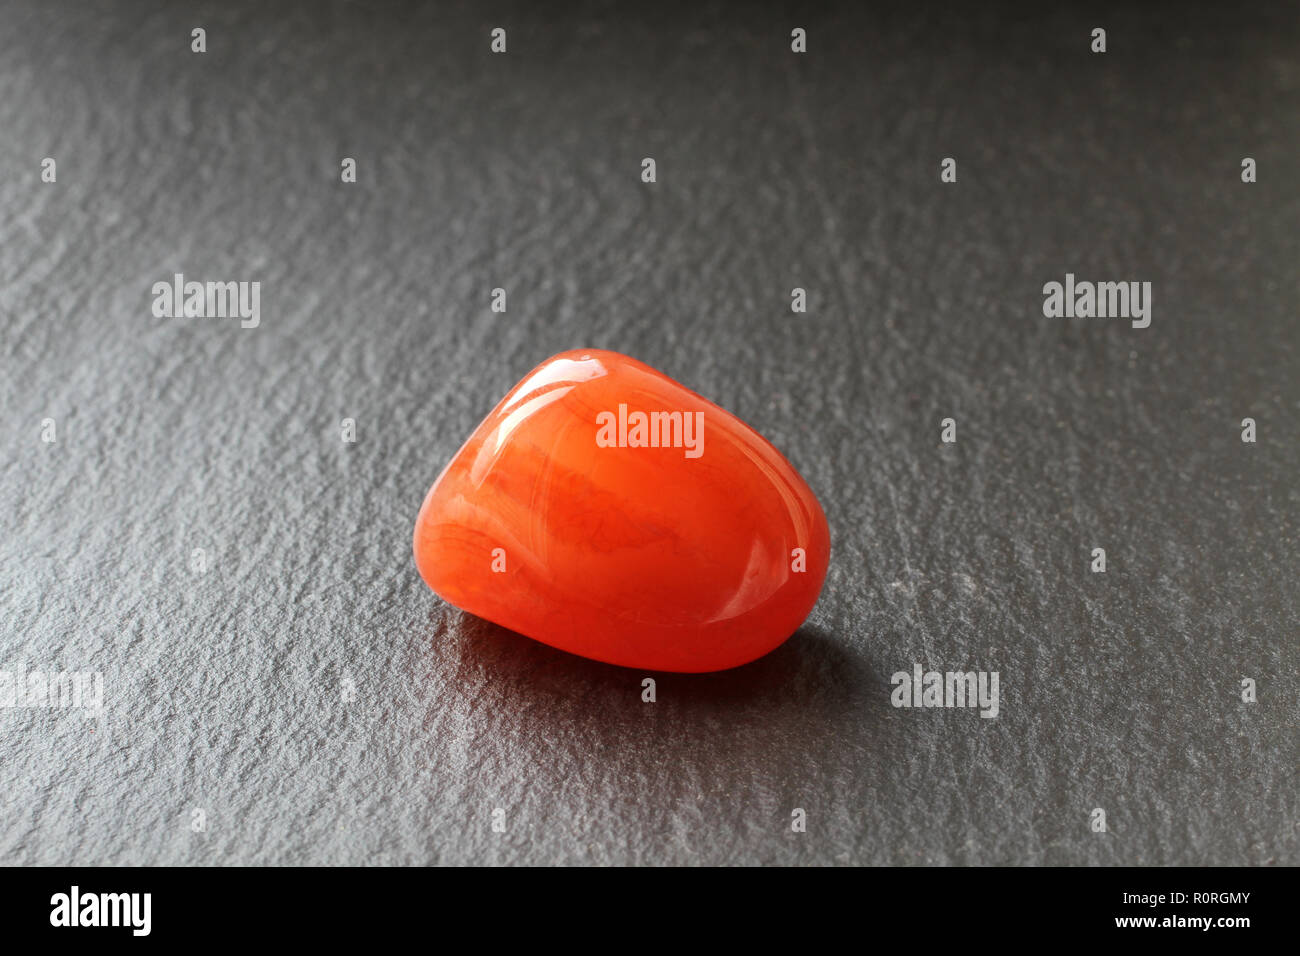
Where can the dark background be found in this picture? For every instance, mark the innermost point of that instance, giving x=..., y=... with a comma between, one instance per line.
x=224, y=690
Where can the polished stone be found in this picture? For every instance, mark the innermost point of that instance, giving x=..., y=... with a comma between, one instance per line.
x=607, y=510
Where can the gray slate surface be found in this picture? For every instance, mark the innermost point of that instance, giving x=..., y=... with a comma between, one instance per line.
x=223, y=691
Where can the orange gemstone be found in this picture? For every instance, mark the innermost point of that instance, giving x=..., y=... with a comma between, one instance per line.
x=607, y=510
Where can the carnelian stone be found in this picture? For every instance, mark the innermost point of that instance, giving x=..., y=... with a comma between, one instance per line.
x=682, y=543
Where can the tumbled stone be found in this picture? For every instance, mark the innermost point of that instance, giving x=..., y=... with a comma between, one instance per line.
x=609, y=511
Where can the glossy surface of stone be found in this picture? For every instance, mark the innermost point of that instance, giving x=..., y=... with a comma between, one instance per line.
x=607, y=510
